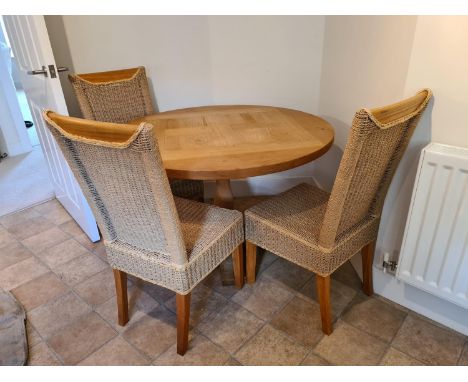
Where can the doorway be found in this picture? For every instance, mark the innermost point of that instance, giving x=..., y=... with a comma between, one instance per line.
x=24, y=176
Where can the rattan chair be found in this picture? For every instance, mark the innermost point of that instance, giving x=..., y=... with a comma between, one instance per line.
x=321, y=231
x=120, y=96
x=169, y=241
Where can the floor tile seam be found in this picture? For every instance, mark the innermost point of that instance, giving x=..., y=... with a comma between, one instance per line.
x=26, y=208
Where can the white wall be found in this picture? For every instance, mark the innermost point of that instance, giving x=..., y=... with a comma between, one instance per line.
x=203, y=60
x=267, y=60
x=372, y=61
x=439, y=60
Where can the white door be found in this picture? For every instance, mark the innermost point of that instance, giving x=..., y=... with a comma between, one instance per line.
x=31, y=46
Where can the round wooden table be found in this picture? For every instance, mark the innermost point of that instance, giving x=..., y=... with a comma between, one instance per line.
x=230, y=142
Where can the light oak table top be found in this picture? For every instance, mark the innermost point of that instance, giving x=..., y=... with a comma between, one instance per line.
x=232, y=142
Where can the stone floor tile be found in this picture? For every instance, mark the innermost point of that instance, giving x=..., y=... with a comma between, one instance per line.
x=288, y=274
x=232, y=362
x=159, y=293
x=395, y=357
x=100, y=250
x=32, y=335
x=203, y=302
x=57, y=214
x=30, y=227
x=154, y=333
x=79, y=269
x=427, y=342
x=81, y=338
x=49, y=318
x=116, y=352
x=13, y=253
x=347, y=275
x=98, y=288
x=139, y=304
x=271, y=347
x=61, y=253
x=300, y=319
x=214, y=281
x=6, y=238
x=44, y=240
x=83, y=239
x=314, y=360
x=39, y=291
x=41, y=355
x=264, y=260
x=17, y=218
x=20, y=273
x=43, y=208
x=71, y=228
x=340, y=295
x=230, y=327
x=263, y=298
x=375, y=317
x=201, y=352
x=463, y=361
x=350, y=346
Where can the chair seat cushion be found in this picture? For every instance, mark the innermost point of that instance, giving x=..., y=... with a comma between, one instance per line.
x=210, y=234
x=289, y=226
x=203, y=225
x=298, y=211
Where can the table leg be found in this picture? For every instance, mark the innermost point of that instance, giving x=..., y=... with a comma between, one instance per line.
x=224, y=198
x=223, y=194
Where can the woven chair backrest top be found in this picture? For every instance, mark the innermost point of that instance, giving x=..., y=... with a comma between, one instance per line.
x=377, y=141
x=120, y=171
x=117, y=96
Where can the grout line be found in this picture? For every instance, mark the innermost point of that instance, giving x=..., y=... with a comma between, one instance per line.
x=465, y=345
x=312, y=352
x=120, y=334
x=195, y=330
x=70, y=289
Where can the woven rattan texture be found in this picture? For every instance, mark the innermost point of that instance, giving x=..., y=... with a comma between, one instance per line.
x=121, y=101
x=320, y=231
x=146, y=233
x=114, y=101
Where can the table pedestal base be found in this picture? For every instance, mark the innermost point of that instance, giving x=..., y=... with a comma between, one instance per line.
x=223, y=198
x=223, y=194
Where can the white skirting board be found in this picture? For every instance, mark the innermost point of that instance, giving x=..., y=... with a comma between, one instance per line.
x=419, y=301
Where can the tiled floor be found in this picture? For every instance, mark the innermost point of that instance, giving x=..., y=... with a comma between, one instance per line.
x=67, y=288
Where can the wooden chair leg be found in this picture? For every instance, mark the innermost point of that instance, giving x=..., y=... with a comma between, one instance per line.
x=367, y=255
x=323, y=293
x=183, y=318
x=121, y=293
x=251, y=255
x=238, y=265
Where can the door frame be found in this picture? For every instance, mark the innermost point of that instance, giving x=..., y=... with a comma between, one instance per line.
x=15, y=140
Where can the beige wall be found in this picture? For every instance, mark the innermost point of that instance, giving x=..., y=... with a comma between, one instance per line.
x=439, y=60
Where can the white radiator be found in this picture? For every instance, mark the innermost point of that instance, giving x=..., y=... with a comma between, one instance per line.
x=434, y=253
